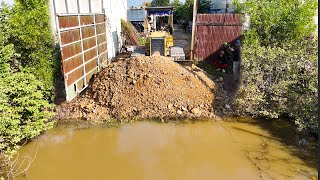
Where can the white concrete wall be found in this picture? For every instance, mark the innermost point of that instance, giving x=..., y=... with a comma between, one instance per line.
x=77, y=6
x=114, y=10
x=84, y=6
x=72, y=7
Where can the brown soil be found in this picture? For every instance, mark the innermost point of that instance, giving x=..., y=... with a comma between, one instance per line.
x=144, y=87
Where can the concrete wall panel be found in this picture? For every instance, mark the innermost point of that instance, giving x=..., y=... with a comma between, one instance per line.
x=84, y=6
x=96, y=6
x=60, y=6
x=72, y=6
x=115, y=10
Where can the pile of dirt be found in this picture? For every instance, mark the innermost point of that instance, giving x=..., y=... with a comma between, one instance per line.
x=144, y=87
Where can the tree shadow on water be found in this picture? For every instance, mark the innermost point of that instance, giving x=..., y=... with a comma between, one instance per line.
x=299, y=145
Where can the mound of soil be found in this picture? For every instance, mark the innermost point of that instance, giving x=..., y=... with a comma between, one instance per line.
x=144, y=87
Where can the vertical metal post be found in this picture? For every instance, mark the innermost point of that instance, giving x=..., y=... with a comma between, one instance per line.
x=102, y=8
x=78, y=6
x=195, y=8
x=154, y=22
x=54, y=8
x=90, y=9
x=66, y=3
x=96, y=35
x=82, y=52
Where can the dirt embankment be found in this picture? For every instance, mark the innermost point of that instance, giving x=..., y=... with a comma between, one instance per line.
x=144, y=87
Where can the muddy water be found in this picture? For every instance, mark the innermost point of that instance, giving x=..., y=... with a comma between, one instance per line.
x=164, y=151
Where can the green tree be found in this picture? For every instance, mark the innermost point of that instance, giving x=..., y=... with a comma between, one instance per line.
x=23, y=107
x=176, y=3
x=160, y=3
x=148, y=4
x=33, y=40
x=279, y=61
x=279, y=21
x=177, y=9
x=185, y=12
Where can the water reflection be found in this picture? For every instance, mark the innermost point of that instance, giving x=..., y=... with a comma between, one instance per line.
x=186, y=151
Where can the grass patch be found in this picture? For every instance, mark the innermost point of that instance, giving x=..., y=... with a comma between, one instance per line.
x=209, y=69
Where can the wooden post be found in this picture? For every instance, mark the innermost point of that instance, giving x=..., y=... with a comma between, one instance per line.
x=195, y=8
x=154, y=22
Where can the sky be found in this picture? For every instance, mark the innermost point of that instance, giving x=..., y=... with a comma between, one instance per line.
x=139, y=2
x=133, y=3
x=130, y=2
x=7, y=1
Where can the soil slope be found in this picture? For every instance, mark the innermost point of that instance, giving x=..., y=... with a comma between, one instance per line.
x=144, y=87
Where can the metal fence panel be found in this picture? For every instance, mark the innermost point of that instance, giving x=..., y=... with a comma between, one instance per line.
x=83, y=45
x=212, y=30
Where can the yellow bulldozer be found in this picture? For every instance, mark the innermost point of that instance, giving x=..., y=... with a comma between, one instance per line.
x=158, y=27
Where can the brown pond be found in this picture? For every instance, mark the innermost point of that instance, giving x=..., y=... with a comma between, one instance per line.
x=202, y=150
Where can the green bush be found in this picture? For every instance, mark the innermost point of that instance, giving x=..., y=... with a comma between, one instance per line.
x=275, y=22
x=24, y=108
x=278, y=81
x=33, y=40
x=279, y=60
x=23, y=112
x=22, y=102
x=142, y=41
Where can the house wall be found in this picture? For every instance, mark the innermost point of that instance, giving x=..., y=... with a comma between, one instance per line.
x=114, y=10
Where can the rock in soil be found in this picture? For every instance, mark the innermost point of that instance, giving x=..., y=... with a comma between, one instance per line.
x=143, y=87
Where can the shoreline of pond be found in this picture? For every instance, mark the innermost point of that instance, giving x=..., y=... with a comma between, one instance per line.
x=276, y=131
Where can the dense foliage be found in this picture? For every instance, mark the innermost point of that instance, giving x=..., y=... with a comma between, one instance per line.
x=184, y=11
x=278, y=81
x=279, y=61
x=25, y=74
x=275, y=22
x=160, y=2
x=33, y=40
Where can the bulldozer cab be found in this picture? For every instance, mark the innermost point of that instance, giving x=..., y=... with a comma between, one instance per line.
x=158, y=25
x=159, y=19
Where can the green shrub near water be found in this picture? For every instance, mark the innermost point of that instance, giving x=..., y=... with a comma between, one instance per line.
x=279, y=61
x=276, y=22
x=26, y=77
x=278, y=81
x=33, y=40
